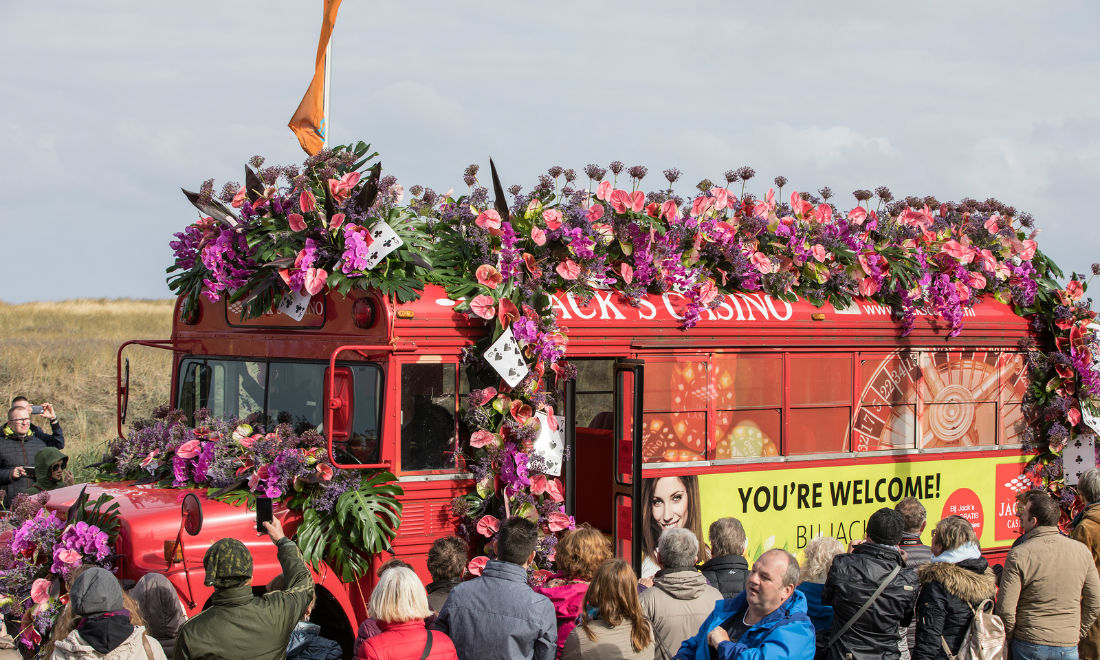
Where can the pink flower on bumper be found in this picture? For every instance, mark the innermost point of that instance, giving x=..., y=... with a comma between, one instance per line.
x=297, y=222
x=481, y=438
x=488, y=526
x=477, y=565
x=40, y=590
x=189, y=449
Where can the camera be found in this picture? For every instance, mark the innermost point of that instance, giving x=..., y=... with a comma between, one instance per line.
x=36, y=410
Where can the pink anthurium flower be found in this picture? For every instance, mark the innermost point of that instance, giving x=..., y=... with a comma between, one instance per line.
x=627, y=272
x=520, y=411
x=595, y=212
x=488, y=526
x=487, y=395
x=488, y=219
x=315, y=280
x=553, y=489
x=819, y=252
x=489, y=276
x=477, y=565
x=538, y=236
x=307, y=202
x=670, y=211
x=1074, y=290
x=620, y=200
x=558, y=521
x=40, y=590
x=336, y=221
x=341, y=188
x=605, y=232
x=568, y=269
x=603, y=191
x=189, y=449
x=325, y=470
x=552, y=218
x=721, y=198
x=531, y=264
x=857, y=215
x=761, y=262
x=507, y=312
x=297, y=222
x=148, y=459
x=823, y=213
x=239, y=198
x=701, y=205
x=70, y=556
x=868, y=287
x=539, y=484
x=481, y=438
x=976, y=280
x=483, y=306
x=991, y=224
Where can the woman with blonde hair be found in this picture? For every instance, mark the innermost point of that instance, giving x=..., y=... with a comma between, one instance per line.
x=613, y=625
x=820, y=551
x=399, y=604
x=577, y=556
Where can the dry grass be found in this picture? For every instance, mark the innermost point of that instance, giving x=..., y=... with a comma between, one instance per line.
x=64, y=353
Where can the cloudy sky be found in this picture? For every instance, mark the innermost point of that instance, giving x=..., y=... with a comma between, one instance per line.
x=110, y=107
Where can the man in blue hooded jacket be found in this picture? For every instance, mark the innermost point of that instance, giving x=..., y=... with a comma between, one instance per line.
x=767, y=621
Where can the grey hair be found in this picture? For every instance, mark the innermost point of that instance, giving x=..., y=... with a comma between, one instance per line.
x=820, y=551
x=1089, y=485
x=793, y=574
x=399, y=597
x=727, y=537
x=677, y=548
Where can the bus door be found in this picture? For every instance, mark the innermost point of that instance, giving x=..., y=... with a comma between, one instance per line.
x=626, y=480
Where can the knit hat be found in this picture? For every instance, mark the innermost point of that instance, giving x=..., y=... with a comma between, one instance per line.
x=885, y=526
x=95, y=591
x=228, y=564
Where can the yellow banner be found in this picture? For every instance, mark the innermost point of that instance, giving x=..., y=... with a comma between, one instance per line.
x=784, y=508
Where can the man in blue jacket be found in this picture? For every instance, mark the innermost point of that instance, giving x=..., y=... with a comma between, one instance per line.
x=767, y=621
x=498, y=616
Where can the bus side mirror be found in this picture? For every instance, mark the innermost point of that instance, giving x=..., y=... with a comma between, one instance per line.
x=124, y=393
x=340, y=399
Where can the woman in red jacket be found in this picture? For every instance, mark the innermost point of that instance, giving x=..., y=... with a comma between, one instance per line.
x=399, y=604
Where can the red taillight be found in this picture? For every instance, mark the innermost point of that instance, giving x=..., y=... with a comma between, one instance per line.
x=363, y=312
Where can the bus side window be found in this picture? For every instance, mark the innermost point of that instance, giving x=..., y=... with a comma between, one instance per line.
x=427, y=416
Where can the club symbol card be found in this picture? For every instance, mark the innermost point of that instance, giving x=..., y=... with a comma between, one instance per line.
x=550, y=443
x=385, y=240
x=504, y=356
x=294, y=304
x=1078, y=456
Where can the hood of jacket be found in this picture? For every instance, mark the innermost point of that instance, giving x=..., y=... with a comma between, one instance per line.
x=681, y=583
x=568, y=599
x=160, y=606
x=970, y=580
x=73, y=647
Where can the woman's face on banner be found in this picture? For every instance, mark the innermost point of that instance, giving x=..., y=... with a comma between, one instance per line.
x=669, y=505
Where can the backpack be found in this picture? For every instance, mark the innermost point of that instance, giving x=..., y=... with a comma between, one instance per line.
x=984, y=639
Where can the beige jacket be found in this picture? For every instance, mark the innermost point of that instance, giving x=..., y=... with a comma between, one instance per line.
x=676, y=605
x=75, y=648
x=1088, y=532
x=1050, y=592
x=610, y=644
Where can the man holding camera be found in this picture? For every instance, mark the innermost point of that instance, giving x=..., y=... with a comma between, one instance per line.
x=19, y=445
x=55, y=438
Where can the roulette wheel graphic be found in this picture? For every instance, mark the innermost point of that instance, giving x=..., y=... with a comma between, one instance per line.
x=940, y=399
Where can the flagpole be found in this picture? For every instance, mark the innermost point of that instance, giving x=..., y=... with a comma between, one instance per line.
x=326, y=117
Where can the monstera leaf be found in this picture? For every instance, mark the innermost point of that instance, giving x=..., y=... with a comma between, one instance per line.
x=363, y=522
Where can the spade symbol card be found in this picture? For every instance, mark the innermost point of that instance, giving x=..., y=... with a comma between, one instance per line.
x=294, y=304
x=504, y=356
x=385, y=241
x=1078, y=456
x=550, y=443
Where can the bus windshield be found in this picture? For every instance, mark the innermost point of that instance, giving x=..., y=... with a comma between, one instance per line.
x=274, y=392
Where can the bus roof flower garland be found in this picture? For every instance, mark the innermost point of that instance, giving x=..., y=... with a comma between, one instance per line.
x=304, y=230
x=344, y=511
x=42, y=554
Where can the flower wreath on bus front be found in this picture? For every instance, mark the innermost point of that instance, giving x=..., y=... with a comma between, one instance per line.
x=303, y=230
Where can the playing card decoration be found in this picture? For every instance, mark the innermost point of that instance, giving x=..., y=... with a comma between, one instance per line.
x=385, y=240
x=550, y=443
x=1078, y=456
x=295, y=304
x=504, y=356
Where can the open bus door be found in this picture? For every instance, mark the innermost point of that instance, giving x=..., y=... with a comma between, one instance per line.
x=627, y=480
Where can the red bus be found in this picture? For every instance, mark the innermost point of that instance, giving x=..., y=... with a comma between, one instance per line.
x=795, y=419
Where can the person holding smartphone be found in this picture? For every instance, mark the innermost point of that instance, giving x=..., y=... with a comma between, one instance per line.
x=238, y=624
x=19, y=447
x=55, y=438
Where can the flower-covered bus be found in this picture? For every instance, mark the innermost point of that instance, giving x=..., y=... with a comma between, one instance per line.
x=396, y=372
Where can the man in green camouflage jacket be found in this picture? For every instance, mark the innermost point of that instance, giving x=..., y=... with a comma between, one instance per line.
x=238, y=624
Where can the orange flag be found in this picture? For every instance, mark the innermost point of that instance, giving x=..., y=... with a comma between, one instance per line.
x=308, y=122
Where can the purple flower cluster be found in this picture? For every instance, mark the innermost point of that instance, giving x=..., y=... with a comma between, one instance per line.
x=230, y=262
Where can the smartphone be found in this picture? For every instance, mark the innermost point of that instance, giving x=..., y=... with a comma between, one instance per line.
x=264, y=513
x=36, y=410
